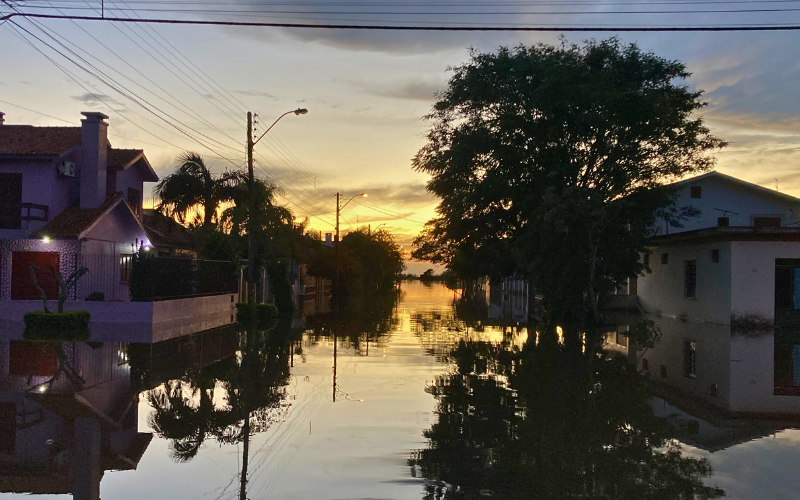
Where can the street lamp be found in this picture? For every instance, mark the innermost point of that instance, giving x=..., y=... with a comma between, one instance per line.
x=251, y=246
x=369, y=228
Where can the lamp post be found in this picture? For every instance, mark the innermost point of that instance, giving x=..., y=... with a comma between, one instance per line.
x=369, y=228
x=251, y=204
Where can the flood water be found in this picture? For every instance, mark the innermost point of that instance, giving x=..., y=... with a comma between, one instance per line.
x=410, y=402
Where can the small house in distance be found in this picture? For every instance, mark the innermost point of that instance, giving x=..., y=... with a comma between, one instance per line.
x=740, y=257
x=69, y=199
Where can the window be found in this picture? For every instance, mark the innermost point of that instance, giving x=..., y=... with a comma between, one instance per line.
x=645, y=365
x=715, y=256
x=647, y=261
x=689, y=359
x=696, y=192
x=125, y=266
x=723, y=221
x=135, y=200
x=690, y=278
x=122, y=354
x=760, y=221
x=622, y=339
x=10, y=201
x=665, y=258
x=663, y=371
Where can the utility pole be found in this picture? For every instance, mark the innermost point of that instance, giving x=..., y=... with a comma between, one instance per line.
x=251, y=244
x=336, y=243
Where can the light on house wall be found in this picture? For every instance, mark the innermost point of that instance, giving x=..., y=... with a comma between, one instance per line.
x=46, y=239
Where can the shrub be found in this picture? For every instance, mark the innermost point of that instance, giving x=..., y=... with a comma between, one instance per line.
x=96, y=297
x=263, y=316
x=67, y=326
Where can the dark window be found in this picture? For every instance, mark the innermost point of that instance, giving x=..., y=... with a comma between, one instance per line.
x=714, y=390
x=759, y=222
x=723, y=221
x=622, y=339
x=135, y=200
x=663, y=371
x=647, y=261
x=715, y=256
x=125, y=266
x=645, y=365
x=10, y=201
x=689, y=359
x=696, y=192
x=690, y=278
x=8, y=428
x=665, y=258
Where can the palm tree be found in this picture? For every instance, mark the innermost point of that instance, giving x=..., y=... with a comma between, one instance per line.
x=269, y=215
x=193, y=185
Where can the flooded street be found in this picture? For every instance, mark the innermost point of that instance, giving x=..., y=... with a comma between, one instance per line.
x=418, y=405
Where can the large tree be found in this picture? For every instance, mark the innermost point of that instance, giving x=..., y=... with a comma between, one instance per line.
x=193, y=187
x=552, y=160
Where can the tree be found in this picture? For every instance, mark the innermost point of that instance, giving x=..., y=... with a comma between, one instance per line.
x=551, y=161
x=194, y=186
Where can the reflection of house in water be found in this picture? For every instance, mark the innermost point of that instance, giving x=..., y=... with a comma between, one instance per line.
x=68, y=413
x=508, y=299
x=312, y=294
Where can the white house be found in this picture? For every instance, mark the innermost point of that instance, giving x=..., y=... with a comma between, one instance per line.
x=739, y=257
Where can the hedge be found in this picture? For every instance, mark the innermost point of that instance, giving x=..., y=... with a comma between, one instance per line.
x=67, y=326
x=264, y=316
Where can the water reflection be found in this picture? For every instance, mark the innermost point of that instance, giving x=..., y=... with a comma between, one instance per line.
x=538, y=422
x=68, y=414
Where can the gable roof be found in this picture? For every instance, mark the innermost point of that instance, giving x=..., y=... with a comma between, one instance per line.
x=121, y=159
x=30, y=140
x=74, y=222
x=729, y=178
x=163, y=231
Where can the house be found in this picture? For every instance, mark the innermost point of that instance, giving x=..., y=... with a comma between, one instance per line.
x=724, y=291
x=740, y=257
x=168, y=237
x=69, y=199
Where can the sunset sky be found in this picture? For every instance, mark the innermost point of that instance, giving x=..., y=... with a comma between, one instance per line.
x=366, y=91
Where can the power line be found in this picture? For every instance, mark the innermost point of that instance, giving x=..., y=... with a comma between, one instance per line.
x=538, y=28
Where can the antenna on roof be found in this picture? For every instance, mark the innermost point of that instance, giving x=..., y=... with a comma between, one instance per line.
x=776, y=184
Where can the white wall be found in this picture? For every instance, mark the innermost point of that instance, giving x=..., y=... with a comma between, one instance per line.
x=661, y=291
x=753, y=279
x=713, y=361
x=723, y=194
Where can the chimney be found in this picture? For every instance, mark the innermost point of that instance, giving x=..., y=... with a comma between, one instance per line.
x=94, y=158
x=2, y=117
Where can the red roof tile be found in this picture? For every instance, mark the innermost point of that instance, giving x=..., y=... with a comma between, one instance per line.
x=72, y=221
x=29, y=140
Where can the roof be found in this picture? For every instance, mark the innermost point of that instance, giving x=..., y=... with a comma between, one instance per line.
x=122, y=158
x=729, y=178
x=30, y=140
x=73, y=221
x=729, y=233
x=165, y=232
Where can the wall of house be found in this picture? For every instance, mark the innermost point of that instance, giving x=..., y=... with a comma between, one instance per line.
x=661, y=291
x=67, y=249
x=722, y=194
x=752, y=376
x=130, y=178
x=42, y=185
x=753, y=280
x=713, y=359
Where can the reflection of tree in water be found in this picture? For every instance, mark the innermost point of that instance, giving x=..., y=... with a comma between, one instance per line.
x=535, y=423
x=226, y=401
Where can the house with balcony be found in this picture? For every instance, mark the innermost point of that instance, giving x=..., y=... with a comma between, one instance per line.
x=68, y=199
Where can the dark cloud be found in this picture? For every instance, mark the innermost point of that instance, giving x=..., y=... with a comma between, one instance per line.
x=415, y=89
x=254, y=93
x=96, y=100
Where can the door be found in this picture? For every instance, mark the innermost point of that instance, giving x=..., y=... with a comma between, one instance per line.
x=22, y=287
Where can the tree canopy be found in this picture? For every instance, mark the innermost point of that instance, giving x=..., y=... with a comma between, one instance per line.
x=552, y=161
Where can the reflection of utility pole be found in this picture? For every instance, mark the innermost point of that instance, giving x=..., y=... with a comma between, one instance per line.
x=334, y=359
x=245, y=452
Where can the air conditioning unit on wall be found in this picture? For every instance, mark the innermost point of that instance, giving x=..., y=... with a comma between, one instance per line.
x=66, y=169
